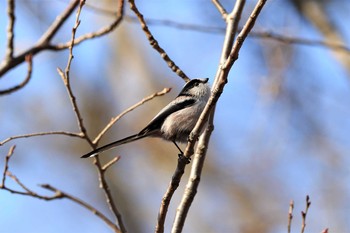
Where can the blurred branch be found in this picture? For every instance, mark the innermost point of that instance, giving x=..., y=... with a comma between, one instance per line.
x=115, y=119
x=6, y=65
x=110, y=163
x=80, y=135
x=220, y=8
x=58, y=194
x=262, y=34
x=154, y=43
x=6, y=167
x=44, y=43
x=29, y=60
x=62, y=194
x=10, y=28
x=290, y=215
x=304, y=213
x=105, y=30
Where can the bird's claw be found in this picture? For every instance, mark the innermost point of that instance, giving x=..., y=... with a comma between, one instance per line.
x=183, y=158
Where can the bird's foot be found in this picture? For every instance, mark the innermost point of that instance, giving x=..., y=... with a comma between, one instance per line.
x=184, y=159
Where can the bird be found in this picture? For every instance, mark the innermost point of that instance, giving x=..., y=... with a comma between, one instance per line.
x=175, y=121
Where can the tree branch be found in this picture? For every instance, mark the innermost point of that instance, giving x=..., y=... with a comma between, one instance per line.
x=10, y=28
x=9, y=64
x=29, y=60
x=194, y=178
x=154, y=43
x=220, y=8
x=79, y=135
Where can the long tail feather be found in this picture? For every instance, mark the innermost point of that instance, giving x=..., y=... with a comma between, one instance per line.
x=114, y=144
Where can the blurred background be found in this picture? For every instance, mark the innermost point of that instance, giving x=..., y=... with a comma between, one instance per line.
x=281, y=126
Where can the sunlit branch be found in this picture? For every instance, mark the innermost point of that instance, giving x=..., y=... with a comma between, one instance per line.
x=154, y=43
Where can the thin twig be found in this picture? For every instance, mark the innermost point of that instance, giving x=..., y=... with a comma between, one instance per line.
x=83, y=204
x=110, y=163
x=105, y=30
x=6, y=166
x=115, y=119
x=58, y=194
x=66, y=77
x=290, y=215
x=304, y=213
x=29, y=60
x=105, y=187
x=10, y=29
x=220, y=8
x=57, y=24
x=79, y=135
x=154, y=43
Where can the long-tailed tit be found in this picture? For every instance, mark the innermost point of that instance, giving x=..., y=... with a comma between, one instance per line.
x=175, y=121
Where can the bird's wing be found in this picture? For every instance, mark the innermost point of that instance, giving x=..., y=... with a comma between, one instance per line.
x=156, y=123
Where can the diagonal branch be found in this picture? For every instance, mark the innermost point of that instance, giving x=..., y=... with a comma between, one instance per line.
x=220, y=8
x=10, y=28
x=154, y=43
x=194, y=178
x=6, y=167
x=219, y=83
x=115, y=119
x=105, y=187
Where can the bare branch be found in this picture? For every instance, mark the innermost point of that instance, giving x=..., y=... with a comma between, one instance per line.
x=154, y=43
x=290, y=215
x=232, y=21
x=10, y=28
x=29, y=60
x=110, y=163
x=105, y=187
x=194, y=178
x=58, y=194
x=83, y=204
x=66, y=77
x=42, y=43
x=56, y=25
x=6, y=166
x=174, y=184
x=79, y=135
x=115, y=119
x=220, y=8
x=103, y=31
x=304, y=213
